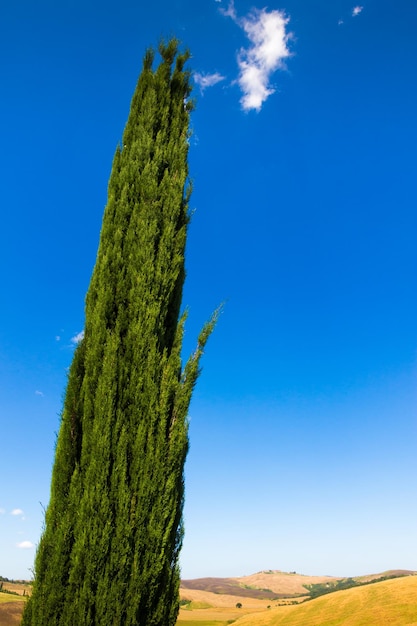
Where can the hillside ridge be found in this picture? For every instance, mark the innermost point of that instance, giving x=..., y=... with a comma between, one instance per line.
x=276, y=584
x=392, y=601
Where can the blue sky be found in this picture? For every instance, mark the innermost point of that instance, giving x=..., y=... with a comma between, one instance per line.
x=303, y=424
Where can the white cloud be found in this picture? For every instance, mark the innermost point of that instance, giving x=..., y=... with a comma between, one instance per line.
x=230, y=11
x=25, y=545
x=77, y=338
x=266, y=30
x=57, y=338
x=207, y=80
x=2, y=511
x=356, y=10
x=39, y=393
x=17, y=512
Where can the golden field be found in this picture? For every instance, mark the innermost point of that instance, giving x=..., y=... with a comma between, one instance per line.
x=390, y=602
x=11, y=608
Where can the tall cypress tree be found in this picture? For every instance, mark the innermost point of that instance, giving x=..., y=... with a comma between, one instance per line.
x=108, y=555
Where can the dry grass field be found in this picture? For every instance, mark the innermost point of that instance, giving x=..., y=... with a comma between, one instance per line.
x=11, y=605
x=207, y=608
x=22, y=588
x=11, y=608
x=220, y=600
x=212, y=605
x=392, y=602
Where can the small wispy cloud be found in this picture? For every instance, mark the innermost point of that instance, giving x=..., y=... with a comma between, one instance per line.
x=230, y=11
x=39, y=393
x=57, y=337
x=354, y=13
x=207, y=80
x=2, y=511
x=77, y=338
x=16, y=512
x=267, y=33
x=25, y=545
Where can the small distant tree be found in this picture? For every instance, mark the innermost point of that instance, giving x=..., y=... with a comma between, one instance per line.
x=238, y=605
x=109, y=552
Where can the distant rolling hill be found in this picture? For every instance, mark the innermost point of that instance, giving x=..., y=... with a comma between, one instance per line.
x=390, y=602
x=271, y=584
x=274, y=584
x=275, y=598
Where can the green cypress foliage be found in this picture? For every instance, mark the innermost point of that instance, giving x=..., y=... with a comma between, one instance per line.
x=109, y=551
